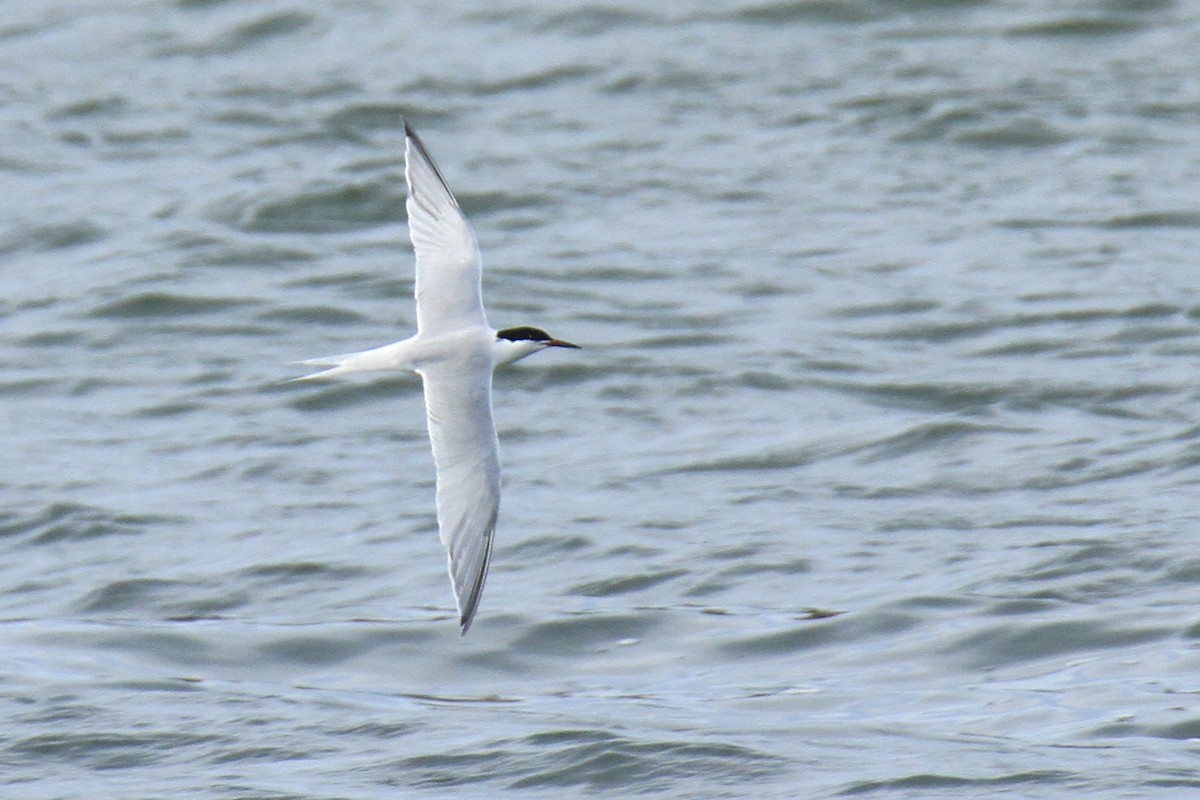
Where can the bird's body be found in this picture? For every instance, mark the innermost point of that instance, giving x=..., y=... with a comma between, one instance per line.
x=454, y=351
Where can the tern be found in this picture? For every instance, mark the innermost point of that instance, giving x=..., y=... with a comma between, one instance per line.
x=454, y=351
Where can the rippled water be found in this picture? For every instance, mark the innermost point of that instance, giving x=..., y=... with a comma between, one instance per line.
x=877, y=476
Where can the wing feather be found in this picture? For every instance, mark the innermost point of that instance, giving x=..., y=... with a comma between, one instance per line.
x=449, y=292
x=466, y=453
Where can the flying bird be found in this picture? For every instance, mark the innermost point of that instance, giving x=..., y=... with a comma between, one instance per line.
x=454, y=351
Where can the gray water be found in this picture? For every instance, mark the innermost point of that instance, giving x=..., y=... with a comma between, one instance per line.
x=877, y=477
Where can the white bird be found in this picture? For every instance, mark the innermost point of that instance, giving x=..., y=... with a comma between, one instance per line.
x=454, y=351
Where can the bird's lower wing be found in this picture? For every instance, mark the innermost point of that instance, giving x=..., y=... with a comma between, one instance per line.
x=458, y=404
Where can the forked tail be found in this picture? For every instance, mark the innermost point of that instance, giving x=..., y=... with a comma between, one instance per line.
x=335, y=366
x=389, y=357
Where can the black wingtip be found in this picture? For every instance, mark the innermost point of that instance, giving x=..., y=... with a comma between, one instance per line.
x=409, y=133
x=468, y=616
x=423, y=151
x=472, y=604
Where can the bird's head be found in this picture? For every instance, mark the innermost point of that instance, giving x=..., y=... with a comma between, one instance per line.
x=513, y=344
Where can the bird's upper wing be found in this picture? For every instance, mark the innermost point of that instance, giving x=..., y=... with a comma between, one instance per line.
x=449, y=295
x=458, y=403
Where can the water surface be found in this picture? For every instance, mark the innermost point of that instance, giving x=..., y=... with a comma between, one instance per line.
x=876, y=477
